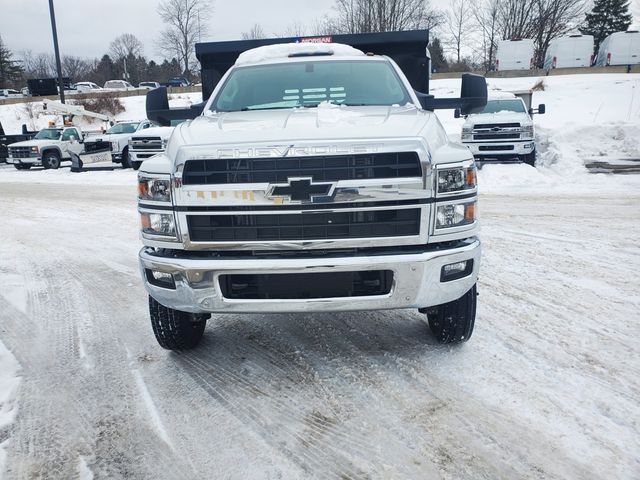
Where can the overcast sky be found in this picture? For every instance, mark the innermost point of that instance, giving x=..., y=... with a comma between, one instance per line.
x=86, y=27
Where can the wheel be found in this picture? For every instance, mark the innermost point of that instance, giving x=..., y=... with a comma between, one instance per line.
x=530, y=158
x=126, y=163
x=453, y=322
x=136, y=165
x=51, y=160
x=174, y=329
x=22, y=166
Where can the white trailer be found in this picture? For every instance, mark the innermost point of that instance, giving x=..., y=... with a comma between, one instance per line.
x=570, y=51
x=620, y=48
x=514, y=54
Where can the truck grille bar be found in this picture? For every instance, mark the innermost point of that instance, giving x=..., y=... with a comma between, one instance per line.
x=320, y=168
x=147, y=143
x=20, y=152
x=304, y=226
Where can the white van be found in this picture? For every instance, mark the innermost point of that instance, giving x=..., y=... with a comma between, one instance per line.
x=620, y=48
x=514, y=54
x=570, y=51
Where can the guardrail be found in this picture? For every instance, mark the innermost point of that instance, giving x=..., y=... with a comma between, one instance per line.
x=112, y=93
x=541, y=72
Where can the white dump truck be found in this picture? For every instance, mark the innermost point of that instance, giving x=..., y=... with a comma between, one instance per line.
x=316, y=178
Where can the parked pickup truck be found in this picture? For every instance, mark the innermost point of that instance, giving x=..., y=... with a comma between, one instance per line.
x=118, y=136
x=502, y=132
x=6, y=140
x=147, y=143
x=49, y=147
x=316, y=179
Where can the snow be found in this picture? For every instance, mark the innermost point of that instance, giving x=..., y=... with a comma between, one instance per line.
x=588, y=117
x=547, y=387
x=274, y=52
x=9, y=382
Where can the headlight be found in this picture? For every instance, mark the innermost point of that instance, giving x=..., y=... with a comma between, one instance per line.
x=164, y=143
x=155, y=189
x=34, y=149
x=158, y=224
x=456, y=179
x=455, y=215
x=114, y=146
x=527, y=131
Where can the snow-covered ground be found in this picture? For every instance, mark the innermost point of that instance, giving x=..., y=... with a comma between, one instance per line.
x=548, y=387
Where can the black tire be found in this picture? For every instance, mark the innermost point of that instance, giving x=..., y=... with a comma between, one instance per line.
x=51, y=160
x=174, y=329
x=453, y=322
x=22, y=166
x=136, y=165
x=530, y=158
x=126, y=163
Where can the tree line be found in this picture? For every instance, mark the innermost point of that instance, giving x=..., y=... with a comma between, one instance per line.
x=463, y=37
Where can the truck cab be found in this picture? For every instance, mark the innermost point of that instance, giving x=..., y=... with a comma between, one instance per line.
x=315, y=179
x=49, y=147
x=502, y=132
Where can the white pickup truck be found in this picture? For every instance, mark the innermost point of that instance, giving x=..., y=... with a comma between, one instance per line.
x=147, y=143
x=48, y=148
x=316, y=179
x=502, y=132
x=118, y=136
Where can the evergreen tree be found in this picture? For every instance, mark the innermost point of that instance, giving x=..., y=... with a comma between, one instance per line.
x=606, y=17
x=10, y=70
x=438, y=61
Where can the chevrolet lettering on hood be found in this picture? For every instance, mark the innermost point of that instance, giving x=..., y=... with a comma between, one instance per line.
x=293, y=151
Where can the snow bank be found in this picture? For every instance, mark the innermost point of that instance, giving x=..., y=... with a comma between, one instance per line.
x=592, y=116
x=271, y=52
x=9, y=382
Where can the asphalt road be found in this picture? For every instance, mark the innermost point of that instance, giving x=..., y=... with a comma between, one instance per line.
x=548, y=386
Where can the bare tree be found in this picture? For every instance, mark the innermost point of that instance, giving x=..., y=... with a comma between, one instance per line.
x=486, y=15
x=186, y=22
x=516, y=18
x=125, y=45
x=553, y=19
x=256, y=32
x=75, y=68
x=458, y=26
x=38, y=65
x=363, y=16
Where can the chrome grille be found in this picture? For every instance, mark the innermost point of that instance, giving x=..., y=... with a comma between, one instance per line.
x=20, y=152
x=497, y=131
x=318, y=168
x=304, y=226
x=146, y=143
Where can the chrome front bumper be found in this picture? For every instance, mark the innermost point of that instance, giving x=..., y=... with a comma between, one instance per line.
x=24, y=161
x=416, y=282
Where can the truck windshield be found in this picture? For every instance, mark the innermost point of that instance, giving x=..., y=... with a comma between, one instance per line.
x=123, y=128
x=306, y=84
x=495, y=106
x=48, y=134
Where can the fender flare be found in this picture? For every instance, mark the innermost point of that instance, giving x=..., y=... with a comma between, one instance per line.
x=52, y=148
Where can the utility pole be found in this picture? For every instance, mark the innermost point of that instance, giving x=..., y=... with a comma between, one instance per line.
x=56, y=50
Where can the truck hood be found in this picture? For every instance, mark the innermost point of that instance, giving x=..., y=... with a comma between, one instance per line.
x=500, y=117
x=324, y=122
x=34, y=143
x=162, y=132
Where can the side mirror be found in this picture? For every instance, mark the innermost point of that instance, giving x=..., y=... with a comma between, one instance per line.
x=73, y=139
x=456, y=113
x=473, y=93
x=541, y=108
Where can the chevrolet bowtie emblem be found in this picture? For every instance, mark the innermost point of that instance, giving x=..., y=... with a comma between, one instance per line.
x=302, y=190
